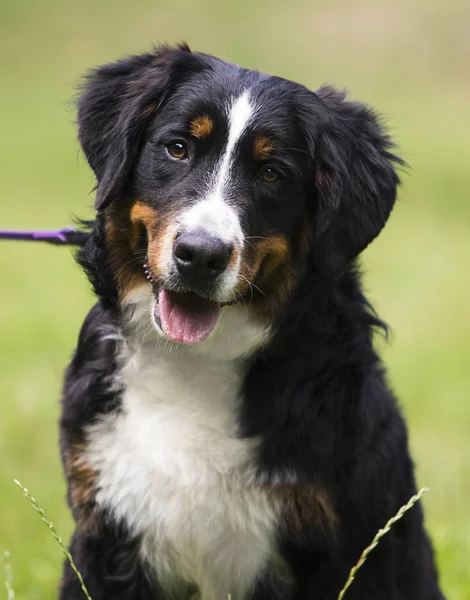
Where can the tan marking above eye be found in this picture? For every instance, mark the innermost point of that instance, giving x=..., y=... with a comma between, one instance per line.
x=263, y=147
x=201, y=127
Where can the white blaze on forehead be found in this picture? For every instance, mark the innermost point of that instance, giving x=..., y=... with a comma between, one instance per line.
x=240, y=114
x=213, y=214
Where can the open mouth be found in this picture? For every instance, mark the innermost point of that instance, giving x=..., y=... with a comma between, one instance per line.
x=184, y=317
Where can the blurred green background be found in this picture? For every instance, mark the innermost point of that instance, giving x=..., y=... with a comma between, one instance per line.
x=408, y=58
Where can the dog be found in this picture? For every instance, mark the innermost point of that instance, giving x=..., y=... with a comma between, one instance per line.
x=226, y=428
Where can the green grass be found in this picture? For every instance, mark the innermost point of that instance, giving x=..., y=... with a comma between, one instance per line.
x=409, y=58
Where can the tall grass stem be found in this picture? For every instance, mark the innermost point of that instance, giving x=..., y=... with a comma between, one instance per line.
x=378, y=536
x=51, y=528
x=8, y=576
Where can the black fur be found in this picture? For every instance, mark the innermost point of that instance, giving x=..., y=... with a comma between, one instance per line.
x=359, y=190
x=316, y=394
x=318, y=399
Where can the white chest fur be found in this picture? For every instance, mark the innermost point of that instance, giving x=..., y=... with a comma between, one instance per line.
x=172, y=468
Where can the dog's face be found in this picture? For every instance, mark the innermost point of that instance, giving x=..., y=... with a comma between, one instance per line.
x=221, y=199
x=222, y=186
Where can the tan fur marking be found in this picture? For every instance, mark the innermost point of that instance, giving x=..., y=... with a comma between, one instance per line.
x=142, y=214
x=263, y=148
x=82, y=480
x=122, y=239
x=269, y=252
x=201, y=127
x=233, y=260
x=304, y=506
x=273, y=252
x=156, y=232
x=155, y=249
x=267, y=263
x=127, y=227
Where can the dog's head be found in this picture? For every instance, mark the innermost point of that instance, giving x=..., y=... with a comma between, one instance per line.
x=219, y=185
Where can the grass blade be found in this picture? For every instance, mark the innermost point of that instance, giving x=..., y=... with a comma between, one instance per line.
x=381, y=532
x=8, y=576
x=51, y=528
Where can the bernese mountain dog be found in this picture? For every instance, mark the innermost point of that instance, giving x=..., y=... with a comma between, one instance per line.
x=227, y=429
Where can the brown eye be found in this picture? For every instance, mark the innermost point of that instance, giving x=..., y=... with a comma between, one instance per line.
x=177, y=150
x=270, y=175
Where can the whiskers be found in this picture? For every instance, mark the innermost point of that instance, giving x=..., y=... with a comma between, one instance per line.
x=252, y=287
x=254, y=237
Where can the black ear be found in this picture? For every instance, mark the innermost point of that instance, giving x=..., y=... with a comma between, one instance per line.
x=355, y=179
x=114, y=110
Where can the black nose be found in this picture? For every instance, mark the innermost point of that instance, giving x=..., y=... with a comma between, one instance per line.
x=200, y=258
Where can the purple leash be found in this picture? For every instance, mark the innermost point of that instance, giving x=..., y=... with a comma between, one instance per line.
x=65, y=236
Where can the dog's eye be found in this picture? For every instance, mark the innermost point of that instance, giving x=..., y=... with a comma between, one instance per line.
x=270, y=175
x=177, y=149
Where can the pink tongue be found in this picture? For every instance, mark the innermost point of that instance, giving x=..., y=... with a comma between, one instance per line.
x=186, y=317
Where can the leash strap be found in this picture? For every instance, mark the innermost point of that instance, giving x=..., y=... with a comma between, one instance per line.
x=67, y=236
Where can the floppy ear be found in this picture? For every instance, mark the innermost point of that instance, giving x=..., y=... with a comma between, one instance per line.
x=355, y=179
x=114, y=110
